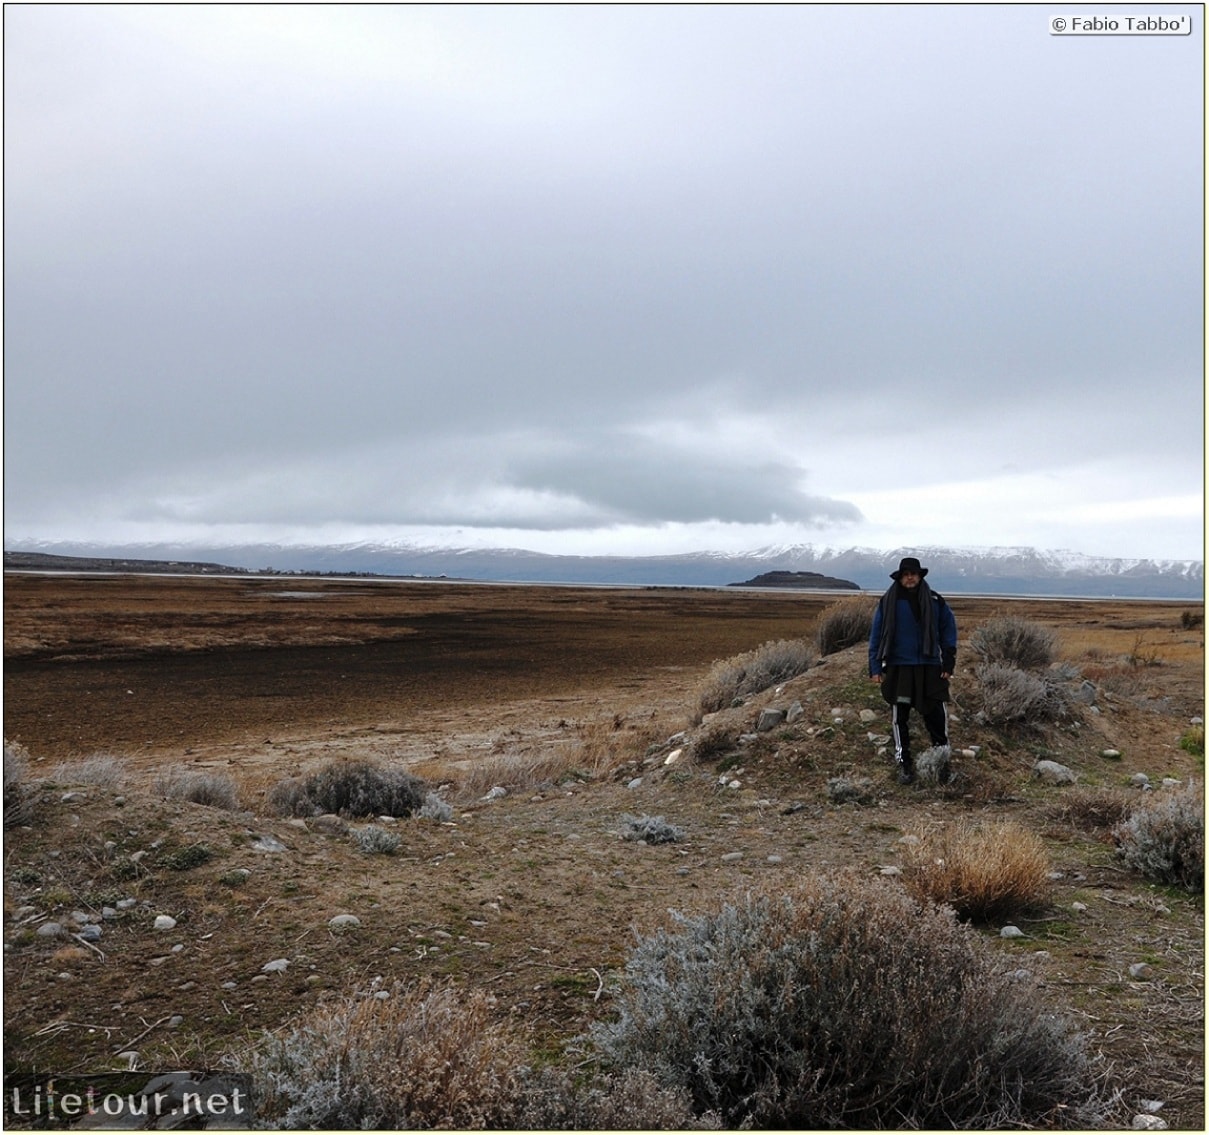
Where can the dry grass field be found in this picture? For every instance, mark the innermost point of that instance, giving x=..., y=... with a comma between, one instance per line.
x=572, y=700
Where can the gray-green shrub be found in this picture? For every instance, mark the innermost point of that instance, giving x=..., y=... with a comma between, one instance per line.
x=1011, y=696
x=1013, y=641
x=349, y=788
x=847, y=1003
x=420, y=1057
x=844, y=624
x=373, y=840
x=1164, y=838
x=756, y=670
x=650, y=829
x=628, y=1100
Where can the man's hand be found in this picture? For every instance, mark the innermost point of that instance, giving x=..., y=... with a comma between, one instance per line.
x=875, y=678
x=945, y=676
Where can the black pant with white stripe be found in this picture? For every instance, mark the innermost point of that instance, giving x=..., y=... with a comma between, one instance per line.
x=936, y=721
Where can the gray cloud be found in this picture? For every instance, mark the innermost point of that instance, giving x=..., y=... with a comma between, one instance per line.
x=462, y=265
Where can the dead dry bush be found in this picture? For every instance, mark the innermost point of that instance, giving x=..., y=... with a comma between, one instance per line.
x=847, y=1003
x=713, y=743
x=846, y=623
x=1013, y=641
x=1094, y=810
x=420, y=1057
x=735, y=678
x=1164, y=838
x=984, y=872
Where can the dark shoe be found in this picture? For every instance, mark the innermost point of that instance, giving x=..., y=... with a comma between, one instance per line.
x=906, y=773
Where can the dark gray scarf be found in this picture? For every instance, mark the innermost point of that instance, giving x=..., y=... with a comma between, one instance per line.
x=888, y=606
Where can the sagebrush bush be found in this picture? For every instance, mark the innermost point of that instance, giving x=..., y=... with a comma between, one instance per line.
x=1164, y=838
x=1011, y=696
x=756, y=670
x=1013, y=641
x=288, y=797
x=434, y=808
x=349, y=788
x=844, y=624
x=848, y=789
x=424, y=1057
x=847, y=1003
x=629, y=1100
x=650, y=829
x=373, y=840
x=214, y=790
x=983, y=871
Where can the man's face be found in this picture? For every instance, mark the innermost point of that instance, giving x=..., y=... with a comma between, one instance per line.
x=909, y=579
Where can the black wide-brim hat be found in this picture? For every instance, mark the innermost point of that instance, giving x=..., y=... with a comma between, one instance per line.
x=909, y=564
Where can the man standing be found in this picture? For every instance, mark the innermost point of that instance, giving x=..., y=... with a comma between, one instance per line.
x=912, y=652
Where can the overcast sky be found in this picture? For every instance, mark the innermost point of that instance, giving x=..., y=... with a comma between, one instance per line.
x=602, y=278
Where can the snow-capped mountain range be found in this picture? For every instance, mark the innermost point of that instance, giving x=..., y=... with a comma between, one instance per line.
x=995, y=570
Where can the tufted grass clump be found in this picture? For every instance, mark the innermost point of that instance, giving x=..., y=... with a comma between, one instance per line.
x=375, y=840
x=1192, y=741
x=983, y=871
x=18, y=806
x=349, y=788
x=424, y=1056
x=1164, y=838
x=213, y=790
x=844, y=624
x=1011, y=696
x=1013, y=641
x=101, y=770
x=756, y=670
x=847, y=1003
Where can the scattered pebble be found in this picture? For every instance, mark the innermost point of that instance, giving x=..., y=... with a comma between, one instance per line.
x=278, y=965
x=732, y=857
x=344, y=922
x=1010, y=931
x=164, y=922
x=1141, y=971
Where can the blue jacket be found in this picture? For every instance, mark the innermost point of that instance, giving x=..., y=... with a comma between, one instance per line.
x=906, y=647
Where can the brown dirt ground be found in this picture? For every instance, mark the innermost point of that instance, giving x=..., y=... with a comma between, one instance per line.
x=535, y=897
